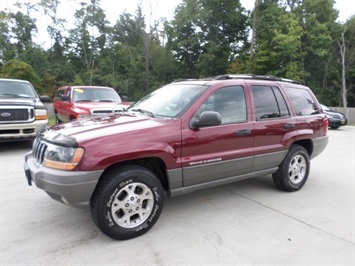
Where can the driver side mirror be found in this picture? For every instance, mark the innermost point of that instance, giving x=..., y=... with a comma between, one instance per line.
x=207, y=119
x=65, y=98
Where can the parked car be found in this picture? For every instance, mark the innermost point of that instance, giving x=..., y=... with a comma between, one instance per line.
x=74, y=102
x=336, y=119
x=185, y=136
x=22, y=112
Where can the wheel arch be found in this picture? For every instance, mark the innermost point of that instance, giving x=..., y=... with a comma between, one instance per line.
x=154, y=164
x=305, y=143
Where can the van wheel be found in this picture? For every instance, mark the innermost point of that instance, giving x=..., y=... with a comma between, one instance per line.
x=127, y=202
x=294, y=170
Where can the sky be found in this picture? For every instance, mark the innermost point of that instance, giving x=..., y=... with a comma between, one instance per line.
x=154, y=9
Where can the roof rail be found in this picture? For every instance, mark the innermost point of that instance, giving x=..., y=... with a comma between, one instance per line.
x=252, y=76
x=180, y=80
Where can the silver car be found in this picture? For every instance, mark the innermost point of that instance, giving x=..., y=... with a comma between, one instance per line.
x=22, y=111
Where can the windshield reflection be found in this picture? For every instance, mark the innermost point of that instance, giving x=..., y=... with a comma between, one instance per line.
x=169, y=101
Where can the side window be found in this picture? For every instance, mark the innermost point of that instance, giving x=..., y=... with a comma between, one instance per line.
x=284, y=112
x=59, y=93
x=269, y=102
x=302, y=101
x=229, y=102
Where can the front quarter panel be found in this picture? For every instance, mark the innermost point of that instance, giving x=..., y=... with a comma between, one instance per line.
x=102, y=152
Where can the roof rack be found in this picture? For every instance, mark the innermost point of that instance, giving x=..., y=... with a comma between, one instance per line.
x=180, y=80
x=252, y=76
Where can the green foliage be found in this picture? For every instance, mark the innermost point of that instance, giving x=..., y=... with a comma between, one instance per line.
x=205, y=35
x=296, y=39
x=16, y=69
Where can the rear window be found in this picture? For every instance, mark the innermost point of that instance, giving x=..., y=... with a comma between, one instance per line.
x=302, y=101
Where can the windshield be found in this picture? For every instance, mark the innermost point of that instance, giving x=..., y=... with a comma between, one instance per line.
x=169, y=101
x=95, y=95
x=13, y=89
x=325, y=108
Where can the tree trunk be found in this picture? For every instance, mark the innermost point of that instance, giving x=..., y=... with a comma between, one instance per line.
x=342, y=53
x=252, y=45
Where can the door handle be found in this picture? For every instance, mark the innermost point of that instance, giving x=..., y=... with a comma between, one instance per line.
x=289, y=126
x=243, y=132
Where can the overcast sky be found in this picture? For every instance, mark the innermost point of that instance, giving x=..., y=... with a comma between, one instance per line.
x=156, y=8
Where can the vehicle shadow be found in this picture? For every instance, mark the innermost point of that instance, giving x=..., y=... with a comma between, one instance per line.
x=15, y=145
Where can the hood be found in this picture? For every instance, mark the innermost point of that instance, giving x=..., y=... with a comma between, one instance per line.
x=334, y=114
x=100, y=104
x=90, y=106
x=21, y=101
x=101, y=126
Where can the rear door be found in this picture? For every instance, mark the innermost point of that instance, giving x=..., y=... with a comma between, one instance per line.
x=226, y=150
x=274, y=126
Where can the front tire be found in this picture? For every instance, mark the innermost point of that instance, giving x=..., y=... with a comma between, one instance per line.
x=127, y=202
x=294, y=170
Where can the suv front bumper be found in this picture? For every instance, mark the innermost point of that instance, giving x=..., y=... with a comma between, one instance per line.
x=69, y=187
x=20, y=131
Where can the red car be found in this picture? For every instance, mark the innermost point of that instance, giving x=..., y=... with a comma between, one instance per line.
x=182, y=137
x=74, y=102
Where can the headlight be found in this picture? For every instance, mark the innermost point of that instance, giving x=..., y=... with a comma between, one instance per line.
x=63, y=158
x=41, y=114
x=82, y=116
x=328, y=116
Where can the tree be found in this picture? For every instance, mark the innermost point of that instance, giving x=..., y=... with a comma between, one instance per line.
x=278, y=42
x=17, y=69
x=205, y=35
x=88, y=38
x=348, y=42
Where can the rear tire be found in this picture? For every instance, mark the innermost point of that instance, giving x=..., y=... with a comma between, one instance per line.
x=57, y=120
x=294, y=170
x=127, y=202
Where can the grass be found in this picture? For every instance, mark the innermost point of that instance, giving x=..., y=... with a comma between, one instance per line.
x=51, y=121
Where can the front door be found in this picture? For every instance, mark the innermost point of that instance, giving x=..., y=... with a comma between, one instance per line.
x=218, y=152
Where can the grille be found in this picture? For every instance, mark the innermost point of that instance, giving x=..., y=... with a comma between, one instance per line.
x=9, y=114
x=105, y=111
x=38, y=151
x=102, y=112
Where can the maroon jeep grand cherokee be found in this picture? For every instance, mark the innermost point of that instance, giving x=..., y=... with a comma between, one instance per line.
x=185, y=136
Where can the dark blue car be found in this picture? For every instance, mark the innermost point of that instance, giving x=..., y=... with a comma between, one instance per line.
x=336, y=119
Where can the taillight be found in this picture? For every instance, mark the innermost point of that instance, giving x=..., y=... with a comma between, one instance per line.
x=326, y=125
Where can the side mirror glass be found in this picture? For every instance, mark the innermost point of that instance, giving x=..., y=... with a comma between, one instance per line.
x=207, y=119
x=65, y=98
x=45, y=98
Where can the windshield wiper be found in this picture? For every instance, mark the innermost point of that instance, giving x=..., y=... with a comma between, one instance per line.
x=16, y=95
x=110, y=101
x=146, y=112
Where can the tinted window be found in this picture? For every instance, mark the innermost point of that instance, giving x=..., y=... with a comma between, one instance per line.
x=59, y=93
x=229, y=102
x=302, y=101
x=269, y=102
x=284, y=112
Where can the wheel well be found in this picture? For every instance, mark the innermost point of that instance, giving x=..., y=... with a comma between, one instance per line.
x=307, y=144
x=154, y=164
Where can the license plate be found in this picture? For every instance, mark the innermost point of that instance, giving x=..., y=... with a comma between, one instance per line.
x=343, y=122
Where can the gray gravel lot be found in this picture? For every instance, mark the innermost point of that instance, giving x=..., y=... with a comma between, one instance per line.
x=249, y=222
